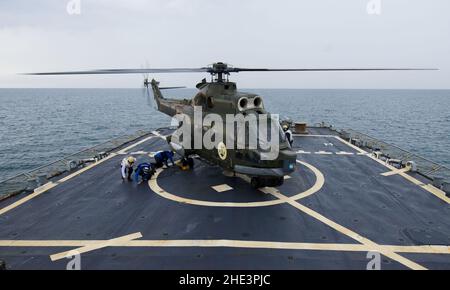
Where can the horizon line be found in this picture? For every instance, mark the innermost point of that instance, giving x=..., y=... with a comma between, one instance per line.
x=243, y=88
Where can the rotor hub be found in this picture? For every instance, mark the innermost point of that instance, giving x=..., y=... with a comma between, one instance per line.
x=219, y=69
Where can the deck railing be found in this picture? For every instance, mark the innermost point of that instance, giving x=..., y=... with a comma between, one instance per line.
x=30, y=180
x=425, y=167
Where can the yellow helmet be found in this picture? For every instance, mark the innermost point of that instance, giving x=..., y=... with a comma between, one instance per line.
x=285, y=127
x=131, y=159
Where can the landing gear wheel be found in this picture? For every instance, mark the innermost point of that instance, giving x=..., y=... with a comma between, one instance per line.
x=258, y=182
x=255, y=182
x=280, y=181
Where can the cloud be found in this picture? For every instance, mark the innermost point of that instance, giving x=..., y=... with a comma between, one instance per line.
x=41, y=36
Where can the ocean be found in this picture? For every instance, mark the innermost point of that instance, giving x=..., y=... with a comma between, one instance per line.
x=38, y=126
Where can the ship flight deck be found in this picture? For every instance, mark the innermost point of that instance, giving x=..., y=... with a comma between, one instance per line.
x=340, y=205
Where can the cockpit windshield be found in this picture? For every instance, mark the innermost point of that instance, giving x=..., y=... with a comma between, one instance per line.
x=265, y=135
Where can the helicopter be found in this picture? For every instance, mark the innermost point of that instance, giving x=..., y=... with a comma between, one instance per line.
x=221, y=97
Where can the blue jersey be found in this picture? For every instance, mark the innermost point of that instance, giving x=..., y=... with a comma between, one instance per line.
x=163, y=157
x=140, y=168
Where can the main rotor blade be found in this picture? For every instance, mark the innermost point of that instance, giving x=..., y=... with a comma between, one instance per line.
x=324, y=69
x=122, y=71
x=214, y=70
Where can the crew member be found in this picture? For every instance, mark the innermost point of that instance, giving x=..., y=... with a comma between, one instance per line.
x=163, y=157
x=127, y=167
x=288, y=134
x=186, y=164
x=145, y=170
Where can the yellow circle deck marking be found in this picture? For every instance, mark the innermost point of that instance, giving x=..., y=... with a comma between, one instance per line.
x=320, y=180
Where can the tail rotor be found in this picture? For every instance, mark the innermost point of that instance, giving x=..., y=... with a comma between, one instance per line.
x=146, y=85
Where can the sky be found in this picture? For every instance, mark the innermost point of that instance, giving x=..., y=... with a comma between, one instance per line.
x=44, y=35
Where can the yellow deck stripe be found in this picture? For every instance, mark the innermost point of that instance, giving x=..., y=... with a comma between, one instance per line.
x=50, y=185
x=351, y=145
x=428, y=187
x=124, y=150
x=428, y=249
x=437, y=192
x=36, y=192
x=96, y=246
x=395, y=172
x=343, y=230
x=157, y=134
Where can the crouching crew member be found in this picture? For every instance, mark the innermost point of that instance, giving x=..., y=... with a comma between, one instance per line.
x=288, y=134
x=127, y=167
x=144, y=170
x=163, y=157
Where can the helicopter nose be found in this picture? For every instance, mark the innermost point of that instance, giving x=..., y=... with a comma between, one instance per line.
x=289, y=159
x=288, y=154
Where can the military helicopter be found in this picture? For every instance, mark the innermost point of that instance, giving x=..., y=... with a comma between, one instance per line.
x=220, y=96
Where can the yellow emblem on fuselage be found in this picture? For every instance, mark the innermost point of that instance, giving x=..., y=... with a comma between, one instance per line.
x=222, y=151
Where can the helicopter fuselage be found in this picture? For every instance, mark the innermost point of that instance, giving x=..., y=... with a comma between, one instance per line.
x=224, y=101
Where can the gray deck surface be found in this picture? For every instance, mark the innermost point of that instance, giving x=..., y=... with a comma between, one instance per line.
x=355, y=198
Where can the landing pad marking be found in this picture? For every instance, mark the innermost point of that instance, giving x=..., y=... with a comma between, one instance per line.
x=428, y=249
x=323, y=153
x=428, y=187
x=124, y=150
x=159, y=135
x=136, y=153
x=294, y=202
x=36, y=192
x=222, y=188
x=395, y=172
x=96, y=246
x=320, y=180
x=349, y=233
x=344, y=153
x=351, y=145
